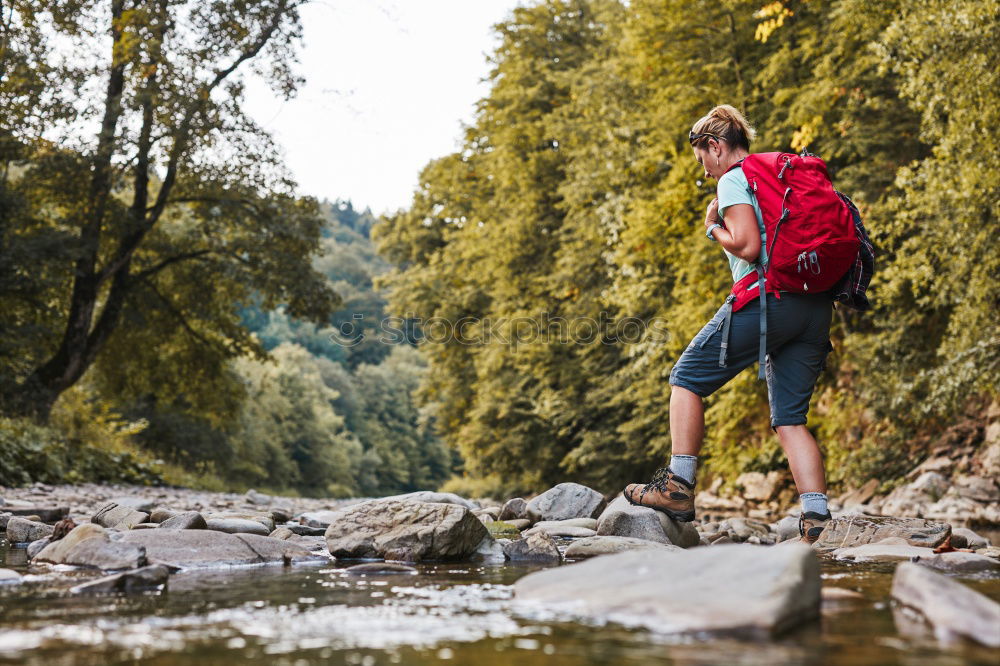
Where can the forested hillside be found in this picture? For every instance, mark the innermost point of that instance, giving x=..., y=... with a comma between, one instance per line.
x=576, y=193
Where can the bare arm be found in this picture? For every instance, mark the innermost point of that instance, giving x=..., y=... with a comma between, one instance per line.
x=740, y=235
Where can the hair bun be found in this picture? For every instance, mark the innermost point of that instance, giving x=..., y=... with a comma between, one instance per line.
x=726, y=122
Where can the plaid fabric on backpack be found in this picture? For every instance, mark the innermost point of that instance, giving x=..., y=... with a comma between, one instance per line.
x=852, y=289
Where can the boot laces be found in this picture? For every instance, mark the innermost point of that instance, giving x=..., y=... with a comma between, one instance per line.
x=659, y=480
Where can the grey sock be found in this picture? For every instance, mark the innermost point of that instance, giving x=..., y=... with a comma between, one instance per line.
x=684, y=466
x=814, y=502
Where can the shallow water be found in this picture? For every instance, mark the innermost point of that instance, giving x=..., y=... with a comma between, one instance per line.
x=447, y=613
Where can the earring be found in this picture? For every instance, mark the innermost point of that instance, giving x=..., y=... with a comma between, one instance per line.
x=716, y=161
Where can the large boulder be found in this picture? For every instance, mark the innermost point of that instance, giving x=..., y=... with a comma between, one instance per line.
x=118, y=517
x=206, y=548
x=956, y=561
x=435, y=497
x=22, y=531
x=733, y=589
x=621, y=518
x=90, y=545
x=405, y=530
x=607, y=545
x=567, y=500
x=953, y=610
x=857, y=530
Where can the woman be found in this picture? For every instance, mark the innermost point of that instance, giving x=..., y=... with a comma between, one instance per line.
x=798, y=328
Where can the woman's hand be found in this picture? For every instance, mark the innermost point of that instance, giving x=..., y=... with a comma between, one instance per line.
x=712, y=214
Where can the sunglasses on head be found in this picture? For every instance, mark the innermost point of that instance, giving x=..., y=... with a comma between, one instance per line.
x=692, y=137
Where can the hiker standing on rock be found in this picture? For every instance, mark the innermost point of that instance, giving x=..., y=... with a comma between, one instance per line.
x=793, y=329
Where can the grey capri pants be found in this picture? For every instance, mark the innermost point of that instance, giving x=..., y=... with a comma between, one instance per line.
x=798, y=341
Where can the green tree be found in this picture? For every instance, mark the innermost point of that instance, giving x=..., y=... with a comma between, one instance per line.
x=178, y=189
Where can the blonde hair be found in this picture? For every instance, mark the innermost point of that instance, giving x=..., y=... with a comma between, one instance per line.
x=724, y=122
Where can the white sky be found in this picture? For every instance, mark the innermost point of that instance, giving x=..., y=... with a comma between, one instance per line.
x=388, y=84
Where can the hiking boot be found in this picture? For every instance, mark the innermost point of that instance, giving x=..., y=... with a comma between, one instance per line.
x=811, y=524
x=667, y=493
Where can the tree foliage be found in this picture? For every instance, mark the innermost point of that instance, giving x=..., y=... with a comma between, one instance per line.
x=575, y=193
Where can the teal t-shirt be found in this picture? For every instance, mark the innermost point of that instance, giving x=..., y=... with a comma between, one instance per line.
x=734, y=189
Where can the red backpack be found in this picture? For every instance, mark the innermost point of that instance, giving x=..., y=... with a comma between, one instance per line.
x=813, y=237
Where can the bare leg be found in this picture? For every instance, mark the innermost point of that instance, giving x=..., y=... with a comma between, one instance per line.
x=687, y=421
x=803, y=457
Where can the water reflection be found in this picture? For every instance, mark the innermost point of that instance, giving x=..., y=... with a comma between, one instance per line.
x=446, y=613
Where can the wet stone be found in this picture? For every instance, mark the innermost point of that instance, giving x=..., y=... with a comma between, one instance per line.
x=118, y=517
x=538, y=547
x=567, y=500
x=189, y=520
x=368, y=568
x=137, y=580
x=22, y=531
x=953, y=610
x=237, y=526
x=859, y=530
x=606, y=545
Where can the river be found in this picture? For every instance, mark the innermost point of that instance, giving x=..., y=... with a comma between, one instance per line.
x=444, y=614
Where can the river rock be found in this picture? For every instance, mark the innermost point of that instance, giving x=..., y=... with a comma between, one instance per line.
x=137, y=580
x=952, y=609
x=787, y=528
x=955, y=561
x=208, y=548
x=407, y=530
x=977, y=488
x=519, y=523
x=36, y=547
x=162, y=514
x=264, y=520
x=9, y=576
x=90, y=545
x=857, y=530
x=734, y=589
x=43, y=514
x=607, y=545
x=538, y=547
x=623, y=519
x=571, y=531
x=860, y=496
x=567, y=500
x=320, y=519
x=237, y=526
x=381, y=568
x=514, y=509
x=972, y=539
x=21, y=531
x=118, y=517
x=189, y=520
x=136, y=504
x=760, y=487
x=4, y=519
x=434, y=497
x=254, y=497
x=305, y=530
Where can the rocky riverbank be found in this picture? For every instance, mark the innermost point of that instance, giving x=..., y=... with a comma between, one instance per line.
x=134, y=539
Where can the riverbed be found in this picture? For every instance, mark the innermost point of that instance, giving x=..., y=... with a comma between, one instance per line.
x=443, y=614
